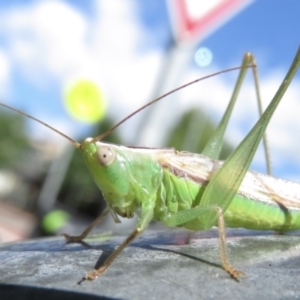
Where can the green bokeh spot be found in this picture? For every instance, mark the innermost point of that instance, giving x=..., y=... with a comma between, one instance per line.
x=85, y=101
x=54, y=220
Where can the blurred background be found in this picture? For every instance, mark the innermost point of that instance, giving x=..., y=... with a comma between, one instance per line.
x=82, y=66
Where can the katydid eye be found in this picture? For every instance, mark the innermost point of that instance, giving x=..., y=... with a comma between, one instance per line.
x=105, y=156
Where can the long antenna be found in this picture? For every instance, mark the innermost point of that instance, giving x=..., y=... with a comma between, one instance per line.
x=103, y=135
x=109, y=131
x=76, y=144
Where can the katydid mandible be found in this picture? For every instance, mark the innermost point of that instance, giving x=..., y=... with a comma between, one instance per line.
x=193, y=191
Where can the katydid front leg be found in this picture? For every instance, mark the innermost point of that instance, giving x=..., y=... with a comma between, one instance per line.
x=145, y=219
x=79, y=238
x=96, y=273
x=209, y=215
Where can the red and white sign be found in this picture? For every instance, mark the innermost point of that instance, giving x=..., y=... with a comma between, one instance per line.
x=194, y=19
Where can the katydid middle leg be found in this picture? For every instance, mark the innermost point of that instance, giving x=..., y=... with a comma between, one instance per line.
x=211, y=215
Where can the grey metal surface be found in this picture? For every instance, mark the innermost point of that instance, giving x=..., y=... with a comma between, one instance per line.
x=159, y=265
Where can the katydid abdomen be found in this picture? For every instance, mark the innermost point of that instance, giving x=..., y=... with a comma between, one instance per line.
x=266, y=203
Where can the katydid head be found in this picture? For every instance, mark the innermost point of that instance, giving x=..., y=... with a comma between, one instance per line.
x=109, y=168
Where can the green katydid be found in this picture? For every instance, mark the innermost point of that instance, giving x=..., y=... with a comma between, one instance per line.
x=189, y=190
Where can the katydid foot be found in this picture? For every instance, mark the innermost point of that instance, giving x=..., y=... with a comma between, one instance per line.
x=95, y=273
x=234, y=274
x=73, y=238
x=79, y=238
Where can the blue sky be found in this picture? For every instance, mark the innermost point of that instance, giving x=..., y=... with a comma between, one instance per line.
x=267, y=27
x=122, y=45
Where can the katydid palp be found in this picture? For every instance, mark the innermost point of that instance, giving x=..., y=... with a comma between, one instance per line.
x=189, y=190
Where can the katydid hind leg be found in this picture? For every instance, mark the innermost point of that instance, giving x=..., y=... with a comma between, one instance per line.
x=260, y=111
x=214, y=145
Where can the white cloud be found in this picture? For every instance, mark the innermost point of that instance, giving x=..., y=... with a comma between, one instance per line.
x=4, y=73
x=50, y=40
x=47, y=39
